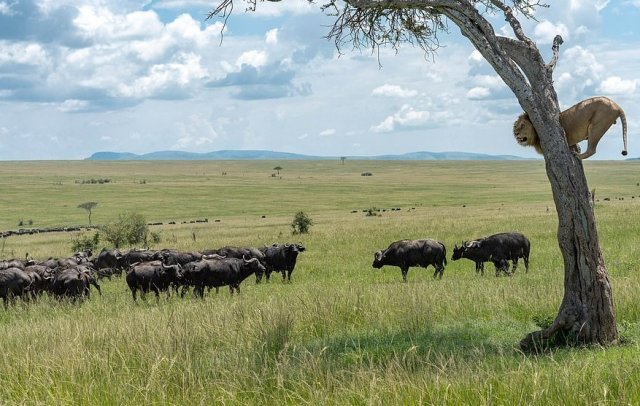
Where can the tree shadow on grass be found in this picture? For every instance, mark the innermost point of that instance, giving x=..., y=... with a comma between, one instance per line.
x=464, y=343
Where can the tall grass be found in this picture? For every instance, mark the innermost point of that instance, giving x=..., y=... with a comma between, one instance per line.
x=341, y=332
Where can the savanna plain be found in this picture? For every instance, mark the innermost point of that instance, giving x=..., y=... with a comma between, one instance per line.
x=341, y=332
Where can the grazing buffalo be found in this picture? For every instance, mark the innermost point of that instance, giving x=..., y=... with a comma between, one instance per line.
x=137, y=256
x=220, y=272
x=109, y=259
x=39, y=276
x=407, y=253
x=174, y=257
x=15, y=263
x=152, y=276
x=281, y=258
x=14, y=282
x=73, y=283
x=236, y=252
x=499, y=249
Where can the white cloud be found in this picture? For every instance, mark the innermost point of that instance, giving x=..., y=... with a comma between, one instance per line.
x=478, y=93
x=617, y=85
x=180, y=73
x=303, y=136
x=328, y=132
x=271, y=37
x=254, y=58
x=23, y=53
x=196, y=133
x=476, y=56
x=73, y=105
x=599, y=5
x=394, y=91
x=545, y=31
x=407, y=117
x=100, y=24
x=6, y=8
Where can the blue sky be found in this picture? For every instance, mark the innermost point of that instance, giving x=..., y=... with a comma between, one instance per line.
x=81, y=76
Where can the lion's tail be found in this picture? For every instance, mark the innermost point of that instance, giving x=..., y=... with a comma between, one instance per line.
x=623, y=120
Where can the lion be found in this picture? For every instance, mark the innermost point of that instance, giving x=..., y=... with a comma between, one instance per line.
x=587, y=120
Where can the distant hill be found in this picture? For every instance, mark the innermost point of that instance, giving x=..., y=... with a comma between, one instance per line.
x=274, y=155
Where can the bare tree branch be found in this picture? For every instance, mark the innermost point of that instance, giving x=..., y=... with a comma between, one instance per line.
x=557, y=41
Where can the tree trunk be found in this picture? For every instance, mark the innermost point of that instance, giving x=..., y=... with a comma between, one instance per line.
x=586, y=315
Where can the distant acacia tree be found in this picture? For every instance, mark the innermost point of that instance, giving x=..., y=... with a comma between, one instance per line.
x=586, y=314
x=277, y=169
x=88, y=206
x=342, y=159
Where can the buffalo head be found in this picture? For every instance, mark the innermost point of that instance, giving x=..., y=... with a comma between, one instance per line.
x=377, y=260
x=255, y=265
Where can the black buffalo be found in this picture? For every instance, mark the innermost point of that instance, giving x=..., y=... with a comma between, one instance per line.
x=236, y=252
x=153, y=276
x=109, y=259
x=136, y=256
x=16, y=263
x=73, y=283
x=174, y=257
x=14, y=282
x=499, y=249
x=408, y=253
x=281, y=258
x=220, y=272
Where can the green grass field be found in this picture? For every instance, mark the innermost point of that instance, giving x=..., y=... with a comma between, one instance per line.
x=341, y=332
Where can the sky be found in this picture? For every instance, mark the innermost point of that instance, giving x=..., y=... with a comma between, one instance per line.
x=82, y=76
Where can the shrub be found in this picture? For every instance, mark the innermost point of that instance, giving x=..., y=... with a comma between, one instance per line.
x=130, y=229
x=301, y=223
x=85, y=242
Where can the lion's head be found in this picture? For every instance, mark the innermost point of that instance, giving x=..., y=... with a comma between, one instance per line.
x=525, y=134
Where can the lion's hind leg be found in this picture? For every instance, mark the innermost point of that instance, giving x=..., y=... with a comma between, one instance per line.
x=595, y=131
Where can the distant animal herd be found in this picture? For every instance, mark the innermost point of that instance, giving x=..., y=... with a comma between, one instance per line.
x=166, y=270
x=170, y=270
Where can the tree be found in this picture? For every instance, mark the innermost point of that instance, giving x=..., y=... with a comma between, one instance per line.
x=278, y=169
x=88, y=206
x=342, y=159
x=301, y=223
x=130, y=229
x=586, y=314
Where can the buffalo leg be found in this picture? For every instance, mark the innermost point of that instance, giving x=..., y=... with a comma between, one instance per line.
x=526, y=264
x=404, y=274
x=515, y=265
x=155, y=290
x=289, y=275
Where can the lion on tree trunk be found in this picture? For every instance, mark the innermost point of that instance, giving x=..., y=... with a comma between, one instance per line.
x=587, y=120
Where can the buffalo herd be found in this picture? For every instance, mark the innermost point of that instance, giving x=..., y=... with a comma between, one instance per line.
x=170, y=270
x=146, y=271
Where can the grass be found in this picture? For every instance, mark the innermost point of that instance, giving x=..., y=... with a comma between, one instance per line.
x=341, y=332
